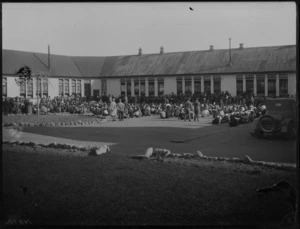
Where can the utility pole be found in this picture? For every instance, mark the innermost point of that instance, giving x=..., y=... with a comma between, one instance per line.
x=36, y=75
x=230, y=51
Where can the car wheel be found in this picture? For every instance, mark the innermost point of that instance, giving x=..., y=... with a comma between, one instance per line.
x=291, y=131
x=267, y=124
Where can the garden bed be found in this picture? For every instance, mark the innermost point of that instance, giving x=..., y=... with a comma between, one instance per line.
x=60, y=119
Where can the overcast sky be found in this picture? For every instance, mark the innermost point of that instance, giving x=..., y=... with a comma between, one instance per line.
x=108, y=29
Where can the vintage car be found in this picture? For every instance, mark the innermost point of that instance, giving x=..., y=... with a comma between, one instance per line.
x=280, y=118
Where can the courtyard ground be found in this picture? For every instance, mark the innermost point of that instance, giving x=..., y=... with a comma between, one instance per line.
x=134, y=136
x=69, y=188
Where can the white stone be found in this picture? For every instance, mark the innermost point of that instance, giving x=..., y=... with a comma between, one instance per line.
x=248, y=159
x=200, y=154
x=168, y=153
x=101, y=150
x=149, y=152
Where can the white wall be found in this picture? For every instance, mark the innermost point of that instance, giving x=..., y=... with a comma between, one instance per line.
x=228, y=83
x=114, y=87
x=292, y=84
x=170, y=85
x=96, y=85
x=13, y=89
x=52, y=87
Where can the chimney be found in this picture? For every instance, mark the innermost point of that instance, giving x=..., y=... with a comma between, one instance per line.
x=241, y=45
x=140, y=51
x=161, y=50
x=49, y=57
x=211, y=48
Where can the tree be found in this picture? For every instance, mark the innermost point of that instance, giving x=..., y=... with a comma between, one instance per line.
x=25, y=74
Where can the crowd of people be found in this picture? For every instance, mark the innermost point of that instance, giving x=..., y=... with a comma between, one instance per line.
x=222, y=106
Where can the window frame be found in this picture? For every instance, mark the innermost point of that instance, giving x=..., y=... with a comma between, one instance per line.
x=29, y=89
x=66, y=87
x=160, y=86
x=61, y=87
x=179, y=83
x=4, y=86
x=151, y=82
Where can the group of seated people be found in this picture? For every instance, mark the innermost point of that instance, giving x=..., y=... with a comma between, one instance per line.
x=236, y=114
x=169, y=106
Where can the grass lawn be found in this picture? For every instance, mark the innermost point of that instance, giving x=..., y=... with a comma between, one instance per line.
x=113, y=189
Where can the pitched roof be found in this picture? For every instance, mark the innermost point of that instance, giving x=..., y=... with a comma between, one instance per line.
x=257, y=59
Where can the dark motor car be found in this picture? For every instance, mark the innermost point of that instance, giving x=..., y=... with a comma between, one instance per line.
x=280, y=118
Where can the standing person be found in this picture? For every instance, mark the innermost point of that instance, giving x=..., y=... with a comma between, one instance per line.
x=113, y=109
x=17, y=105
x=121, y=109
x=196, y=110
x=188, y=107
x=226, y=98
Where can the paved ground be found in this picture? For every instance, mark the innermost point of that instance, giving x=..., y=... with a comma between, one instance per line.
x=17, y=134
x=141, y=133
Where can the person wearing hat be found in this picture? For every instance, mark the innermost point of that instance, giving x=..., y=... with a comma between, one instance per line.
x=196, y=110
x=188, y=107
x=113, y=109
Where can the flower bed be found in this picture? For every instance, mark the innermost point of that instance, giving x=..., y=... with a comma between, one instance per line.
x=50, y=120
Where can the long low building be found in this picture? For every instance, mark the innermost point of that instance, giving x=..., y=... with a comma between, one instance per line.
x=265, y=71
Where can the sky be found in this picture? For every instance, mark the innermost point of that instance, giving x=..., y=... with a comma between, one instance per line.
x=119, y=28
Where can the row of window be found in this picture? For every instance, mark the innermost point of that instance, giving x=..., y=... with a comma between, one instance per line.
x=64, y=87
x=197, y=84
x=260, y=84
x=26, y=88
x=64, y=90
x=139, y=86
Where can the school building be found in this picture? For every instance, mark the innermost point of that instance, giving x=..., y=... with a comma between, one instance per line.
x=265, y=71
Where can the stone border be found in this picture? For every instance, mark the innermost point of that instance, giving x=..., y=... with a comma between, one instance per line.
x=93, y=151
x=160, y=154
x=49, y=124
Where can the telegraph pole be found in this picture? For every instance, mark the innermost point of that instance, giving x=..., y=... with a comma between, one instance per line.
x=230, y=51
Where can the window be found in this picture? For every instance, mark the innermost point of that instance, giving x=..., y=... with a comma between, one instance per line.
x=151, y=87
x=67, y=87
x=123, y=87
x=4, y=87
x=23, y=88
x=38, y=88
x=217, y=84
x=206, y=84
x=128, y=81
x=249, y=83
x=260, y=85
x=136, y=87
x=73, y=87
x=188, y=85
x=88, y=88
x=96, y=93
x=142, y=87
x=197, y=84
x=179, y=85
x=45, y=87
x=78, y=87
x=239, y=84
x=30, y=88
x=283, y=85
x=104, y=87
x=271, y=85
x=160, y=83
x=61, y=87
